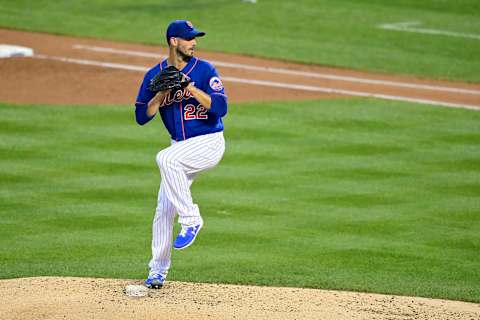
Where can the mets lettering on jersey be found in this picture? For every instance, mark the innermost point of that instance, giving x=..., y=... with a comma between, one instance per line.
x=183, y=116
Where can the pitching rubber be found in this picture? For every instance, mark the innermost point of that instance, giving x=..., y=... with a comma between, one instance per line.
x=133, y=290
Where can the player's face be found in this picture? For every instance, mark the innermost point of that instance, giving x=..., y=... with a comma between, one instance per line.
x=186, y=48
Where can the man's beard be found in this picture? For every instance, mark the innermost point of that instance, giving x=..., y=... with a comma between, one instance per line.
x=183, y=56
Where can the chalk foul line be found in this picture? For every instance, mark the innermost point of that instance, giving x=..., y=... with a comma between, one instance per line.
x=273, y=84
x=413, y=26
x=328, y=76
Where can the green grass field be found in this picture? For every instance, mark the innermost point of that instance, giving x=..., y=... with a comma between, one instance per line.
x=347, y=194
x=337, y=33
x=355, y=194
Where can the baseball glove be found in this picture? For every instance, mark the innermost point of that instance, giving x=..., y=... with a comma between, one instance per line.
x=168, y=78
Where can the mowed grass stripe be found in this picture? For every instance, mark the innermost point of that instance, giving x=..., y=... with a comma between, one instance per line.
x=357, y=194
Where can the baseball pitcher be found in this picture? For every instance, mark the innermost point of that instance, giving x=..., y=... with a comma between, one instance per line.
x=189, y=95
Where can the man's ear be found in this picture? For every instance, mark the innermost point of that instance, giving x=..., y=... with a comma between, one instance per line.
x=173, y=41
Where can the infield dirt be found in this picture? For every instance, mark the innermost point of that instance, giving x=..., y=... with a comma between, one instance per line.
x=46, y=79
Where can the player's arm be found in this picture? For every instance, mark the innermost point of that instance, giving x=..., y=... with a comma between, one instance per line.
x=156, y=102
x=148, y=102
x=214, y=100
x=141, y=113
x=142, y=102
x=202, y=97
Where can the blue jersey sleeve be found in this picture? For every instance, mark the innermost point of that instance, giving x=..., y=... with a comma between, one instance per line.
x=216, y=91
x=144, y=96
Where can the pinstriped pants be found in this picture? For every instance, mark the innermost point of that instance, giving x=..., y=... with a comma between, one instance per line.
x=179, y=164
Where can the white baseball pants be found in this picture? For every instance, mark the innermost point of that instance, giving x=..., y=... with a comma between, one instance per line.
x=179, y=164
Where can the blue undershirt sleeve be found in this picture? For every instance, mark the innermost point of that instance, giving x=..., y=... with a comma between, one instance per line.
x=215, y=89
x=141, y=114
x=144, y=96
x=219, y=104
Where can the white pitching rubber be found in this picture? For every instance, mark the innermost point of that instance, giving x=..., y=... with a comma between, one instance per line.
x=133, y=290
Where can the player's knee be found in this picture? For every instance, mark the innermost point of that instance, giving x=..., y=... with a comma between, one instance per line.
x=164, y=160
x=161, y=159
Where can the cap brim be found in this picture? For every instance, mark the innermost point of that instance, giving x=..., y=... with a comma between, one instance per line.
x=196, y=33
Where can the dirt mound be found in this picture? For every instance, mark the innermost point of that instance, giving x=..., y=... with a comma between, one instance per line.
x=86, y=298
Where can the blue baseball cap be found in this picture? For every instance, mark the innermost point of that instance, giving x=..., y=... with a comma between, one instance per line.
x=183, y=29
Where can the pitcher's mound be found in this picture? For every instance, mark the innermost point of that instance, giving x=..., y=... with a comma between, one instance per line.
x=84, y=298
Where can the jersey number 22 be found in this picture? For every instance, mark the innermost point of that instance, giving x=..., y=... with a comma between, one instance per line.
x=195, y=112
